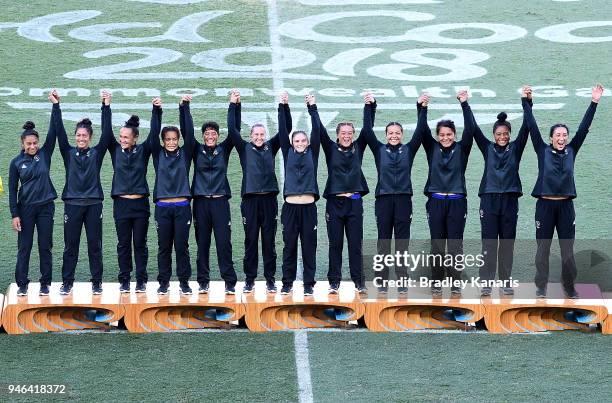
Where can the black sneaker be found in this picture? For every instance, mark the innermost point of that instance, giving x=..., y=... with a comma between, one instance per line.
x=270, y=287
x=485, y=292
x=308, y=291
x=333, y=288
x=141, y=286
x=362, y=289
x=402, y=290
x=508, y=291
x=203, y=289
x=456, y=290
x=163, y=289
x=541, y=292
x=570, y=293
x=44, y=290
x=22, y=291
x=436, y=290
x=125, y=287
x=230, y=290
x=248, y=287
x=66, y=289
x=383, y=290
x=286, y=289
x=184, y=287
x=96, y=287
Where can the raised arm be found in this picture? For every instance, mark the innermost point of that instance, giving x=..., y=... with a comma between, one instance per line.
x=315, y=121
x=186, y=123
x=583, y=129
x=367, y=131
x=422, y=125
x=532, y=126
x=51, y=138
x=283, y=133
x=521, y=140
x=481, y=140
x=469, y=124
x=233, y=124
x=107, y=139
x=275, y=141
x=60, y=131
x=152, y=143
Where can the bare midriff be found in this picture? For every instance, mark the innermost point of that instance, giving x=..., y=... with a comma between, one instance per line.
x=131, y=196
x=300, y=199
x=555, y=197
x=173, y=199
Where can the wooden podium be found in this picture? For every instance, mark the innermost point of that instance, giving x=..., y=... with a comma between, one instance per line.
x=606, y=326
x=149, y=312
x=523, y=313
x=419, y=310
x=56, y=313
x=269, y=312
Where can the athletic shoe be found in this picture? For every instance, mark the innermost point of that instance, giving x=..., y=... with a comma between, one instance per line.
x=44, y=290
x=22, y=291
x=203, y=289
x=455, y=290
x=96, y=287
x=248, y=287
x=230, y=290
x=508, y=291
x=184, y=287
x=308, y=291
x=541, y=292
x=436, y=290
x=570, y=293
x=485, y=292
x=402, y=290
x=362, y=289
x=333, y=288
x=382, y=290
x=270, y=287
x=286, y=289
x=125, y=287
x=163, y=289
x=66, y=289
x=141, y=286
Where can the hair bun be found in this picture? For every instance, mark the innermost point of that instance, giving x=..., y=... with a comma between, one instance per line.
x=85, y=122
x=502, y=116
x=133, y=121
x=29, y=125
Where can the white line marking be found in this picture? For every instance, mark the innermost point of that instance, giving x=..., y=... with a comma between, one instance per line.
x=300, y=338
x=266, y=105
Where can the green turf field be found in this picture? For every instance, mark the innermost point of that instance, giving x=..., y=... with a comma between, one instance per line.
x=335, y=50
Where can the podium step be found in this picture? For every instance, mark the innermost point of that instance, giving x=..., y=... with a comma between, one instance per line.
x=419, y=310
x=270, y=312
x=56, y=313
x=523, y=313
x=149, y=312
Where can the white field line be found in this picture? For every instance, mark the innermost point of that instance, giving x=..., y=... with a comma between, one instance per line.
x=300, y=338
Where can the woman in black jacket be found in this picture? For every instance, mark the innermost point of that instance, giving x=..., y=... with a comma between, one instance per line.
x=172, y=199
x=31, y=196
x=300, y=191
x=130, y=193
x=500, y=189
x=555, y=189
x=393, y=205
x=211, y=209
x=446, y=192
x=83, y=198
